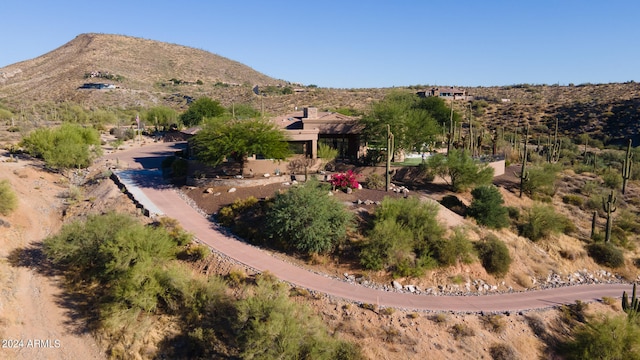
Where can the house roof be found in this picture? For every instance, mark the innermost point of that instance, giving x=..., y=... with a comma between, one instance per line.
x=326, y=122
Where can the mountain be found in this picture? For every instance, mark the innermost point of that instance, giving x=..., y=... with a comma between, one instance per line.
x=145, y=72
x=148, y=73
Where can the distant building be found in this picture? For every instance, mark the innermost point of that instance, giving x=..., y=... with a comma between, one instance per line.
x=98, y=86
x=447, y=93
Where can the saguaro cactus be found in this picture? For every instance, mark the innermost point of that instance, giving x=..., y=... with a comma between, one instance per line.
x=553, y=147
x=609, y=207
x=593, y=224
x=631, y=308
x=626, y=167
x=524, y=174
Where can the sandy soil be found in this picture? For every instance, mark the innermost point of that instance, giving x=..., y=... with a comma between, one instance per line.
x=37, y=319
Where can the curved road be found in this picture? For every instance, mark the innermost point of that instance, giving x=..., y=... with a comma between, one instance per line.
x=170, y=204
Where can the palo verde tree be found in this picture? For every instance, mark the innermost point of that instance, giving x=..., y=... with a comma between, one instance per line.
x=69, y=146
x=160, y=116
x=414, y=121
x=237, y=139
x=200, y=109
x=460, y=170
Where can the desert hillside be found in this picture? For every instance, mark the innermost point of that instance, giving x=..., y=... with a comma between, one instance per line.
x=148, y=73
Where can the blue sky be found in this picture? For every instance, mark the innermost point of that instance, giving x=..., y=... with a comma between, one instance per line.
x=361, y=44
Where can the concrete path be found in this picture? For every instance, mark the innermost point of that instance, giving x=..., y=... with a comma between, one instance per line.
x=166, y=200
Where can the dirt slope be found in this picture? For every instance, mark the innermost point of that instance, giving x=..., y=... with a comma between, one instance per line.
x=36, y=321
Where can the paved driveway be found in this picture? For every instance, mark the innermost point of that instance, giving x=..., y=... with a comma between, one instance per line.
x=168, y=202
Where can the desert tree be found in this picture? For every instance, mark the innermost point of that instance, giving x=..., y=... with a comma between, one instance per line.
x=237, y=139
x=201, y=109
x=460, y=170
x=413, y=121
x=160, y=116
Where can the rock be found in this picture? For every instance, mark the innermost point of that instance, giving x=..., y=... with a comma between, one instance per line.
x=410, y=288
x=349, y=190
x=396, y=285
x=217, y=194
x=266, y=175
x=232, y=190
x=209, y=190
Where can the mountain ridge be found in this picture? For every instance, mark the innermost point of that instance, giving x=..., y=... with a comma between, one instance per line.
x=139, y=64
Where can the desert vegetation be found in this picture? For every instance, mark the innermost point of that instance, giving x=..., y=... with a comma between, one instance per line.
x=132, y=274
x=571, y=204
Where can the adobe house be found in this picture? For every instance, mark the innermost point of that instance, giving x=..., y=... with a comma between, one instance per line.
x=310, y=127
x=305, y=129
x=447, y=93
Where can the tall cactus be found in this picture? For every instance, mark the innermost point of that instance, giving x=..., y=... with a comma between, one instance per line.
x=609, y=207
x=553, y=147
x=631, y=308
x=524, y=174
x=626, y=167
x=593, y=224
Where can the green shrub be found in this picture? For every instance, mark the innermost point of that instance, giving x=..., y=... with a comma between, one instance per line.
x=606, y=338
x=118, y=253
x=542, y=221
x=461, y=330
x=589, y=187
x=268, y=325
x=8, y=198
x=457, y=248
x=403, y=237
x=502, y=352
x=228, y=215
x=494, y=255
x=326, y=154
x=606, y=254
x=179, y=167
x=374, y=181
x=487, y=207
x=542, y=180
x=514, y=212
x=306, y=219
x=69, y=146
x=494, y=323
x=612, y=179
x=572, y=199
x=197, y=252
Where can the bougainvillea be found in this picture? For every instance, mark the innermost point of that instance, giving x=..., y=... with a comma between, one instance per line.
x=345, y=180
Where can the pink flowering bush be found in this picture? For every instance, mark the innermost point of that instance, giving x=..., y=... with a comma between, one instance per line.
x=346, y=180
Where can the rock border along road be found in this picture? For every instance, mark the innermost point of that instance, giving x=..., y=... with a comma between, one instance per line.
x=169, y=202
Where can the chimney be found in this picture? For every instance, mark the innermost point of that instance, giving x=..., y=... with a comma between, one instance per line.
x=310, y=113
